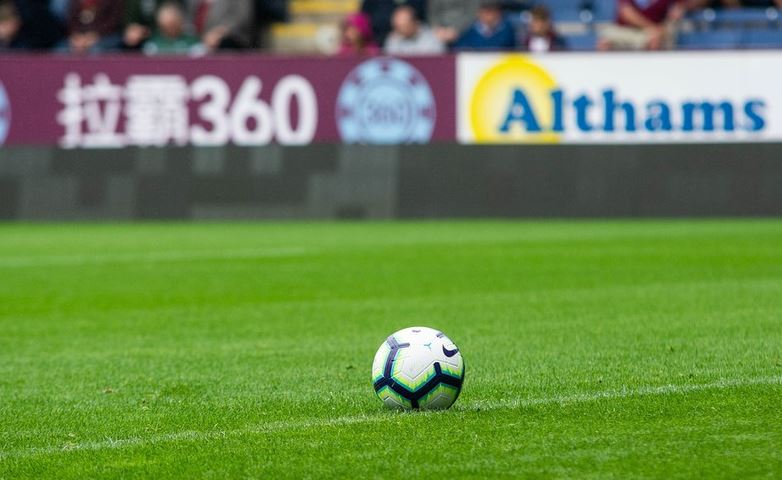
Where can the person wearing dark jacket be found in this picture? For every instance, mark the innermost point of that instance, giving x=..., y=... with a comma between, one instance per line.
x=41, y=29
x=490, y=31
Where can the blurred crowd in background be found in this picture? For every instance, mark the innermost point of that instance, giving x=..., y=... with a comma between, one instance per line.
x=151, y=26
x=397, y=27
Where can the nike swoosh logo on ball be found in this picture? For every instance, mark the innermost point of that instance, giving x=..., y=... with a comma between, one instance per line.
x=450, y=353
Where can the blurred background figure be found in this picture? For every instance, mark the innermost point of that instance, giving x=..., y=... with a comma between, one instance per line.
x=410, y=37
x=10, y=27
x=42, y=22
x=357, y=37
x=140, y=21
x=94, y=26
x=490, y=30
x=541, y=36
x=449, y=18
x=381, y=11
x=267, y=13
x=225, y=24
x=643, y=25
x=171, y=37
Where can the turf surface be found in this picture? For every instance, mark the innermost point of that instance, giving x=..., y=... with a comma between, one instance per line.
x=593, y=350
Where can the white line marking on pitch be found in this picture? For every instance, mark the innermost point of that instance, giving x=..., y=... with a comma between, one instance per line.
x=151, y=257
x=477, y=407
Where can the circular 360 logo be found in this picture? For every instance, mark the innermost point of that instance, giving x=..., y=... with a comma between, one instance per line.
x=5, y=114
x=385, y=101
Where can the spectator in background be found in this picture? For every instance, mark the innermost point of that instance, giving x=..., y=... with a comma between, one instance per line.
x=490, y=31
x=410, y=37
x=541, y=36
x=94, y=26
x=170, y=37
x=42, y=27
x=225, y=24
x=10, y=27
x=449, y=18
x=140, y=21
x=357, y=36
x=381, y=11
x=643, y=25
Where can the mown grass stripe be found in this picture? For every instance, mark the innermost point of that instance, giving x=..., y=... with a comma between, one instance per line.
x=476, y=406
x=150, y=257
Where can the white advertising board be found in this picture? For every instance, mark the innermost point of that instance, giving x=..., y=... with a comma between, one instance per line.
x=620, y=98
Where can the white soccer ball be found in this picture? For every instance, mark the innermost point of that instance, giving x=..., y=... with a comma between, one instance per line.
x=418, y=368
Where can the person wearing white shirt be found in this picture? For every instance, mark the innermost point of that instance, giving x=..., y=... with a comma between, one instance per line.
x=410, y=37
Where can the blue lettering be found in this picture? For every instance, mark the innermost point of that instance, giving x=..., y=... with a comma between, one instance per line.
x=611, y=106
x=520, y=111
x=707, y=109
x=627, y=116
x=559, y=111
x=582, y=105
x=658, y=117
x=753, y=109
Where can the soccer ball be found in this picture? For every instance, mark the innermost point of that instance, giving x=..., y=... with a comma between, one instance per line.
x=418, y=368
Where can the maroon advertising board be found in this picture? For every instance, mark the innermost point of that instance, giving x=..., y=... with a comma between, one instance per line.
x=107, y=102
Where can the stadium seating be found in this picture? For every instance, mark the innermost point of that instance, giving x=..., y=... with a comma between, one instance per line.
x=604, y=10
x=581, y=42
x=565, y=10
x=762, y=39
x=733, y=28
x=735, y=18
x=710, y=40
x=704, y=30
x=312, y=27
x=581, y=11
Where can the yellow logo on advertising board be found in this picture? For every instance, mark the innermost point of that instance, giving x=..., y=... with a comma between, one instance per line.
x=511, y=102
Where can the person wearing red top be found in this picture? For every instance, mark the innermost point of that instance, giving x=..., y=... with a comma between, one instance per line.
x=357, y=37
x=643, y=25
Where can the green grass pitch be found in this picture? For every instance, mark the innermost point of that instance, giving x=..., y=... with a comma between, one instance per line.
x=593, y=349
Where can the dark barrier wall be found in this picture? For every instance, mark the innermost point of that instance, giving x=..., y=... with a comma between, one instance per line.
x=436, y=181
